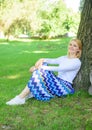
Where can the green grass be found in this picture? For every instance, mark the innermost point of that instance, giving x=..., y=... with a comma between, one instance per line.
x=73, y=112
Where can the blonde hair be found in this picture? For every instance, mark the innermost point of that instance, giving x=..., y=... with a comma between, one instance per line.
x=78, y=55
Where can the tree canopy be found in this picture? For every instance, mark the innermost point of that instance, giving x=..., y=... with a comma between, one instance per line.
x=37, y=17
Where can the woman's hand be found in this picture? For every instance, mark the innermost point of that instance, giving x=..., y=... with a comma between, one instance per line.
x=32, y=69
x=39, y=63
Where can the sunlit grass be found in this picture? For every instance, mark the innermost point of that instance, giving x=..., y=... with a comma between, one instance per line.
x=73, y=112
x=11, y=77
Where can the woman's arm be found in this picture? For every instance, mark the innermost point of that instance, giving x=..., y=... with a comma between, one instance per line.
x=48, y=61
x=53, y=60
x=63, y=67
x=39, y=63
x=32, y=69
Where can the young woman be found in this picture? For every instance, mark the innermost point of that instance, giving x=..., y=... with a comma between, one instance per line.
x=44, y=84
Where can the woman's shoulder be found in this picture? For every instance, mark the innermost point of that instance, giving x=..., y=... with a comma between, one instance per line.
x=74, y=60
x=77, y=61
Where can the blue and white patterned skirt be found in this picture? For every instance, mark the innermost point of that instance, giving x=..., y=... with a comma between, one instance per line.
x=45, y=85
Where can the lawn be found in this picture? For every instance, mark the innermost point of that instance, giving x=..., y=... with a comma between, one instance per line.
x=73, y=112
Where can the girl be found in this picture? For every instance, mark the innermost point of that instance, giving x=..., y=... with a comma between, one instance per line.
x=44, y=84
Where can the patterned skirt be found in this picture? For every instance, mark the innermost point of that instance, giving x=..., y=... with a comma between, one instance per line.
x=45, y=85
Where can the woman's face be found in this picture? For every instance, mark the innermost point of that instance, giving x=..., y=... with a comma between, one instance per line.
x=73, y=47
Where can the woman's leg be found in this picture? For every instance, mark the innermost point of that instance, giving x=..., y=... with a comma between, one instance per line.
x=25, y=92
x=19, y=99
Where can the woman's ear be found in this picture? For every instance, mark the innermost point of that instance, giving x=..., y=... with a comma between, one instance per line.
x=79, y=53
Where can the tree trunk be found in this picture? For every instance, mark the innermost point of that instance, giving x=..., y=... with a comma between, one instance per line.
x=85, y=35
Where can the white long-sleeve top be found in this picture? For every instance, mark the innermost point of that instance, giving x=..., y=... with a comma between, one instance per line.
x=67, y=67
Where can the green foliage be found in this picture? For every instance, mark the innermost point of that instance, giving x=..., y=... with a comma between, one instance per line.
x=38, y=17
x=71, y=22
x=52, y=18
x=19, y=26
x=73, y=112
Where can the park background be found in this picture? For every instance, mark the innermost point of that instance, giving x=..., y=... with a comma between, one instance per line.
x=29, y=30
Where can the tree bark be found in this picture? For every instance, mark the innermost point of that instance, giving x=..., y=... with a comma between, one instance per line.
x=85, y=35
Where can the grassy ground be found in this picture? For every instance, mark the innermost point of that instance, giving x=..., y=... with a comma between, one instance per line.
x=73, y=112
